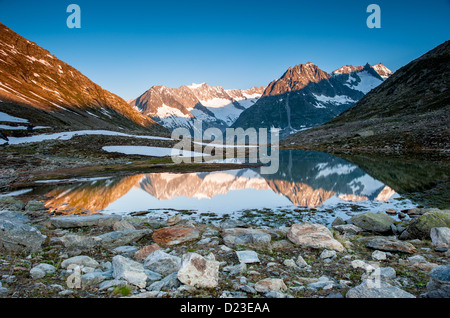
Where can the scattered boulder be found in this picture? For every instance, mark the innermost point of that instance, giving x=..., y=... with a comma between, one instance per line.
x=300, y=262
x=270, y=284
x=17, y=236
x=168, y=282
x=92, y=279
x=198, y=271
x=74, y=221
x=439, y=284
x=115, y=239
x=162, y=263
x=327, y=254
x=348, y=228
x=379, y=255
x=323, y=282
x=420, y=227
x=229, y=224
x=388, y=244
x=177, y=218
x=173, y=235
x=420, y=262
x=440, y=236
x=337, y=221
x=41, y=270
x=112, y=283
x=369, y=289
x=78, y=241
x=234, y=237
x=391, y=211
x=123, y=225
x=373, y=222
x=313, y=236
x=80, y=260
x=145, y=251
x=247, y=257
x=108, y=240
x=126, y=269
x=126, y=250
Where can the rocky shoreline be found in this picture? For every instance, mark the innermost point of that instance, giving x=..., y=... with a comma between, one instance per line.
x=370, y=255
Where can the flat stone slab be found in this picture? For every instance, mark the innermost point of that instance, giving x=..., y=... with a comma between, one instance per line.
x=388, y=244
x=16, y=236
x=247, y=257
x=348, y=228
x=385, y=290
x=173, y=235
x=73, y=221
x=313, y=236
x=234, y=237
x=108, y=240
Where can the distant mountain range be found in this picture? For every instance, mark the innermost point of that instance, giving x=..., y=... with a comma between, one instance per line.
x=305, y=96
x=179, y=107
x=409, y=112
x=43, y=90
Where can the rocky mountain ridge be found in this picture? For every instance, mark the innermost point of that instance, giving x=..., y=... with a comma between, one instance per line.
x=179, y=107
x=306, y=96
x=407, y=112
x=44, y=90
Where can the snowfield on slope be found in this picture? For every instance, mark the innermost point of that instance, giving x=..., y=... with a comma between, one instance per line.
x=70, y=134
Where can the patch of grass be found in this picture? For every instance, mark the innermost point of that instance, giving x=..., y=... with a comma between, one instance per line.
x=121, y=291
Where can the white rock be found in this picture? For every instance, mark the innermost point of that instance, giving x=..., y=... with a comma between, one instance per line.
x=80, y=260
x=440, y=236
x=129, y=270
x=198, y=271
x=313, y=236
x=247, y=257
x=41, y=270
x=301, y=262
x=379, y=255
x=327, y=254
x=358, y=264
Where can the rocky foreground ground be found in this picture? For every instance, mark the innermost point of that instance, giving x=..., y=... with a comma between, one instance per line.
x=370, y=255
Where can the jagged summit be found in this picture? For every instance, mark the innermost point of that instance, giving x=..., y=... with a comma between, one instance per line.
x=380, y=69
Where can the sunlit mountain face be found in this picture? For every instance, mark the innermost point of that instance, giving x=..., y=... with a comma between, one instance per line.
x=304, y=180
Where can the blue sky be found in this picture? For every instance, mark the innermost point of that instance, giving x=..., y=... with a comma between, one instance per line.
x=129, y=46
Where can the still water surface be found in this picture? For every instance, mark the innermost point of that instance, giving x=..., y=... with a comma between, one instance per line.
x=309, y=186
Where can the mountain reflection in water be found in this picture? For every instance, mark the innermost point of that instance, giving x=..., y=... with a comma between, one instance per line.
x=305, y=179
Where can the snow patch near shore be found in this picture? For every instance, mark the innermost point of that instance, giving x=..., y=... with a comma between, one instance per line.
x=151, y=151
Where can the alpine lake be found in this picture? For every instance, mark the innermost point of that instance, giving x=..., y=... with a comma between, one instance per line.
x=308, y=186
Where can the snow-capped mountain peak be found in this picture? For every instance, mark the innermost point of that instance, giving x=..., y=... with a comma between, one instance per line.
x=382, y=70
x=178, y=107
